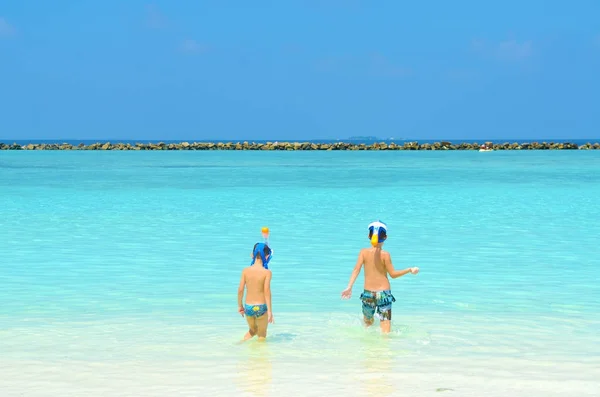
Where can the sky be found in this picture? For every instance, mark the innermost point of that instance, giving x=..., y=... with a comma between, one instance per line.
x=299, y=70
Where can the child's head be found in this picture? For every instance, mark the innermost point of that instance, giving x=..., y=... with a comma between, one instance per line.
x=377, y=233
x=262, y=251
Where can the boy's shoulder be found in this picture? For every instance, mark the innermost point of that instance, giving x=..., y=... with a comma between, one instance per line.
x=384, y=253
x=255, y=271
x=265, y=271
x=369, y=249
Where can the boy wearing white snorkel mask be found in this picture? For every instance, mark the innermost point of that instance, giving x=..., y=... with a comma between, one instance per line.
x=377, y=297
x=256, y=280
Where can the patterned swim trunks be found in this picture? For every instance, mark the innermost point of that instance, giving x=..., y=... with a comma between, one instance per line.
x=379, y=302
x=255, y=310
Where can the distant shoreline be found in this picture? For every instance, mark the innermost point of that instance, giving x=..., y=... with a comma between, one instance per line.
x=304, y=146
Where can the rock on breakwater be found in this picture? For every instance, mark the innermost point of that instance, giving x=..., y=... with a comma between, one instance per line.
x=298, y=146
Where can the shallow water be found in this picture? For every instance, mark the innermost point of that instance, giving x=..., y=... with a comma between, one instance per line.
x=119, y=272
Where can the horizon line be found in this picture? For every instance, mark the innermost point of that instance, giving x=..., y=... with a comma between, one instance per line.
x=290, y=140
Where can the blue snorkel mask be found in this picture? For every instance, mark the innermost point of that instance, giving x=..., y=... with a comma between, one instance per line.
x=259, y=250
x=377, y=232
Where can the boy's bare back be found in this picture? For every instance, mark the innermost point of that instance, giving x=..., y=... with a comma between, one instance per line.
x=255, y=278
x=376, y=262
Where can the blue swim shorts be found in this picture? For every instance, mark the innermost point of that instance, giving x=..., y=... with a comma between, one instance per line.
x=255, y=310
x=377, y=302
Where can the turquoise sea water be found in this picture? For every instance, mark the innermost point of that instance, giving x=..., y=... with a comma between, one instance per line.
x=119, y=271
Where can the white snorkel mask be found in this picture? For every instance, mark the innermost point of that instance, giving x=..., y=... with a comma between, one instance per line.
x=378, y=232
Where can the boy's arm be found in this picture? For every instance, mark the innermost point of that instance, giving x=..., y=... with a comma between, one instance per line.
x=267, y=289
x=397, y=273
x=356, y=271
x=241, y=291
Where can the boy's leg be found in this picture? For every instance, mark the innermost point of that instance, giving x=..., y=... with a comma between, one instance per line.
x=262, y=323
x=384, y=311
x=386, y=326
x=368, y=314
x=385, y=318
x=251, y=327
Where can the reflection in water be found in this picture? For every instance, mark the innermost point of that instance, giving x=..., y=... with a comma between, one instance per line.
x=254, y=368
x=378, y=367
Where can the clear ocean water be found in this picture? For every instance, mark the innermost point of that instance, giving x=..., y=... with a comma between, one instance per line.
x=119, y=271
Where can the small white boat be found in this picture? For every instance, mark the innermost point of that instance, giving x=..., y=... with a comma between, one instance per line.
x=485, y=148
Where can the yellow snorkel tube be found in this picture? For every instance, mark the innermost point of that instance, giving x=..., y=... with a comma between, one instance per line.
x=375, y=239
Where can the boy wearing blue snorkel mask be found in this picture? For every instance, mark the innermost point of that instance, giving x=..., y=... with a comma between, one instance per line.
x=256, y=280
x=377, y=297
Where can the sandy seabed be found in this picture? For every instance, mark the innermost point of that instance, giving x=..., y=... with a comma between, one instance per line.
x=263, y=377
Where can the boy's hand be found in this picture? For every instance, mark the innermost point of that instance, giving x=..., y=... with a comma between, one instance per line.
x=241, y=310
x=271, y=319
x=414, y=270
x=347, y=293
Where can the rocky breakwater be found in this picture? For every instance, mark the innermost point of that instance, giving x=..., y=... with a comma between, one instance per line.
x=301, y=146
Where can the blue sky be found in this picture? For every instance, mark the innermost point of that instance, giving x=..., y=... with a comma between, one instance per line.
x=312, y=69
